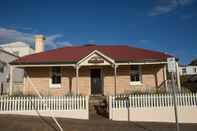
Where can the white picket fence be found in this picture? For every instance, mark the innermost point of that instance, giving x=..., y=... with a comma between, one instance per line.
x=59, y=106
x=153, y=107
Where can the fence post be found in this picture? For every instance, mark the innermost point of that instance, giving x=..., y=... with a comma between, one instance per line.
x=110, y=107
x=1, y=102
x=87, y=105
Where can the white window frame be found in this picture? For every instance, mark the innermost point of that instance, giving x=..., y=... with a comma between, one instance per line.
x=51, y=85
x=140, y=73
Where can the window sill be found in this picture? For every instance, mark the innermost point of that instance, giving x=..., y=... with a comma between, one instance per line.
x=55, y=86
x=136, y=83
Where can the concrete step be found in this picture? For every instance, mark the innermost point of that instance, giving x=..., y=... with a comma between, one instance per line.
x=98, y=106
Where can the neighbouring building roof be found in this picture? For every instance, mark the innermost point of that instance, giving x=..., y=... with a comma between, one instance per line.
x=72, y=54
x=18, y=48
x=6, y=52
x=16, y=44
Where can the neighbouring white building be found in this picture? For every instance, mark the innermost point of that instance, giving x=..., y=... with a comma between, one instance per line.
x=8, y=53
x=188, y=70
x=18, y=74
x=18, y=48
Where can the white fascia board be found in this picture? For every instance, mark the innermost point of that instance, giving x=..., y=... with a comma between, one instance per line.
x=43, y=65
x=142, y=63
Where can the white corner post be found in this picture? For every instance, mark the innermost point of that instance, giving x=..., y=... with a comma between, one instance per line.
x=115, y=79
x=165, y=77
x=11, y=80
x=178, y=76
x=24, y=82
x=77, y=79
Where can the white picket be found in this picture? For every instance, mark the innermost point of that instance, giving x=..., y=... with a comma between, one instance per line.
x=81, y=102
x=154, y=100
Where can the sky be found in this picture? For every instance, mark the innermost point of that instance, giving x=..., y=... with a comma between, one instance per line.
x=164, y=25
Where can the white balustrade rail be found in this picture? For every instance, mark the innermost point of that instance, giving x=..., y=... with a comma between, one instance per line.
x=153, y=107
x=60, y=106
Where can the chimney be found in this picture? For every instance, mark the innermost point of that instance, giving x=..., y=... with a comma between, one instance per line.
x=39, y=43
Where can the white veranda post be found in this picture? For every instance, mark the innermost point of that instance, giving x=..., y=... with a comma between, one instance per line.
x=77, y=80
x=11, y=80
x=165, y=77
x=115, y=78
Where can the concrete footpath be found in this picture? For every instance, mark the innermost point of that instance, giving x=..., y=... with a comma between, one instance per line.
x=32, y=123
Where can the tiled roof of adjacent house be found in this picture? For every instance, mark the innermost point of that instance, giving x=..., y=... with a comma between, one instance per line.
x=72, y=54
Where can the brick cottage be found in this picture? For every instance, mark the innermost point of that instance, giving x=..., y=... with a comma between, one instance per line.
x=92, y=70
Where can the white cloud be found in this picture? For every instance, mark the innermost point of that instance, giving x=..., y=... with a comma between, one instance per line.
x=167, y=6
x=11, y=35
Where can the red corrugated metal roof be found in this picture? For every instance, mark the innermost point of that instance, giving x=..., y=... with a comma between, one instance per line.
x=75, y=53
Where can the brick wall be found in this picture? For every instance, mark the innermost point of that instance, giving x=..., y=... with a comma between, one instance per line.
x=152, y=76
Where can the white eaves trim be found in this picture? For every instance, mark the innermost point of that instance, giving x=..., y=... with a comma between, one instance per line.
x=73, y=65
x=43, y=65
x=142, y=63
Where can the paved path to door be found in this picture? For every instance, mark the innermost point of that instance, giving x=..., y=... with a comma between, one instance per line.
x=29, y=123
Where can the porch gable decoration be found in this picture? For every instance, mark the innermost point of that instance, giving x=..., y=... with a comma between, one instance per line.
x=96, y=60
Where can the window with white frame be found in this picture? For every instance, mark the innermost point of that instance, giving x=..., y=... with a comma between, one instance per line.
x=55, y=76
x=135, y=75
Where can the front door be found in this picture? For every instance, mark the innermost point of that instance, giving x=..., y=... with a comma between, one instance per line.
x=96, y=81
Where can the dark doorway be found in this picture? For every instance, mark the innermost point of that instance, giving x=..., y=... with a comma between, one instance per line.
x=96, y=81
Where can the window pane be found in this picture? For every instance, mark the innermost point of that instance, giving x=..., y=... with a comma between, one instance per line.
x=194, y=70
x=56, y=75
x=1, y=67
x=135, y=73
x=56, y=70
x=184, y=70
x=56, y=79
x=135, y=77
